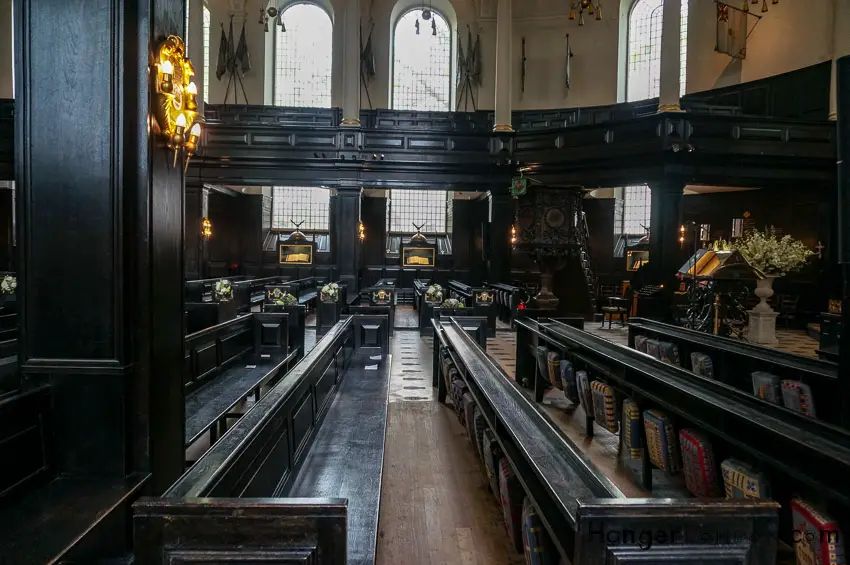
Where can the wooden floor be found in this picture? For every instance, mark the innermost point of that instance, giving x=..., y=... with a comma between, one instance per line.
x=436, y=507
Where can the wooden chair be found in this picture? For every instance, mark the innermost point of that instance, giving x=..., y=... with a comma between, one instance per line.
x=787, y=307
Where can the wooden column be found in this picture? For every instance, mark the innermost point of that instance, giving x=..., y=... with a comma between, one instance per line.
x=843, y=236
x=665, y=255
x=100, y=283
x=345, y=247
x=671, y=33
x=504, y=66
x=502, y=211
x=351, y=63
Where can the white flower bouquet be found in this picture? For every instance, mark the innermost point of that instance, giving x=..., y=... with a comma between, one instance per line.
x=452, y=304
x=223, y=290
x=772, y=255
x=330, y=292
x=8, y=285
x=286, y=300
x=434, y=293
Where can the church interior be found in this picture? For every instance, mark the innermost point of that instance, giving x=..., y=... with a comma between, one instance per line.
x=424, y=282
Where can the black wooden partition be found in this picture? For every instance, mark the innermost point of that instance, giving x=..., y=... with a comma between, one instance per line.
x=586, y=516
x=479, y=299
x=227, y=507
x=734, y=362
x=801, y=456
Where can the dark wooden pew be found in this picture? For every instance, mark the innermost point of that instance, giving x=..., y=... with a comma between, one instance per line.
x=228, y=363
x=201, y=290
x=329, y=313
x=734, y=362
x=507, y=300
x=479, y=299
x=280, y=486
x=586, y=517
x=250, y=293
x=47, y=516
x=800, y=456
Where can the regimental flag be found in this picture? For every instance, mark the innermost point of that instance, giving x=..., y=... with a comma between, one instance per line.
x=221, y=65
x=243, y=58
x=731, y=31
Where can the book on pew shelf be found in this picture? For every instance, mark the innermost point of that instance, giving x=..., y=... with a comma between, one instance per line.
x=632, y=440
x=698, y=464
x=742, y=481
x=766, y=387
x=818, y=537
x=702, y=365
x=661, y=441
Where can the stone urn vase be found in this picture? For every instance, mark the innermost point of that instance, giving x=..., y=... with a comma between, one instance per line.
x=764, y=290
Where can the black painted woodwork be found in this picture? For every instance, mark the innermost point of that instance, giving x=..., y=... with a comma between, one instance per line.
x=666, y=255
x=843, y=221
x=734, y=362
x=345, y=245
x=578, y=504
x=802, y=456
x=498, y=235
x=7, y=139
x=229, y=506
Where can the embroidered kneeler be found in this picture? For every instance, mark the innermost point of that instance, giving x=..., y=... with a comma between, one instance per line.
x=698, y=464
x=492, y=455
x=537, y=546
x=511, y=494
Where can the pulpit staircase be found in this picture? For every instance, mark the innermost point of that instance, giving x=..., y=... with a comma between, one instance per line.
x=584, y=257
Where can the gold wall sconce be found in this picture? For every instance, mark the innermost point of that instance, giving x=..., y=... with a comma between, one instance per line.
x=176, y=98
x=681, y=235
x=361, y=232
x=206, y=228
x=513, y=235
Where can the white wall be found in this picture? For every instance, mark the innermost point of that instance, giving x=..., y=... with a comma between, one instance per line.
x=791, y=35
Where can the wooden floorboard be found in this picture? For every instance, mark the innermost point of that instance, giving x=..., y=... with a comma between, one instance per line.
x=436, y=506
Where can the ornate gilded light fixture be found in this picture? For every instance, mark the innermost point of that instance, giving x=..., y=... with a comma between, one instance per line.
x=361, y=232
x=176, y=98
x=586, y=6
x=206, y=228
x=513, y=235
x=746, y=7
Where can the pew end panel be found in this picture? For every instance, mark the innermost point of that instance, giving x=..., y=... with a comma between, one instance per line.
x=239, y=531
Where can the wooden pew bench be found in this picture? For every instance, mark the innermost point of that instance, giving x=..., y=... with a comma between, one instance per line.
x=48, y=516
x=507, y=301
x=201, y=290
x=294, y=480
x=560, y=503
x=733, y=362
x=479, y=299
x=252, y=292
x=230, y=362
x=792, y=456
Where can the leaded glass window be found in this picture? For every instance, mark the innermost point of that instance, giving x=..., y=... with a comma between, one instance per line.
x=637, y=204
x=429, y=207
x=303, y=57
x=207, y=69
x=422, y=63
x=301, y=204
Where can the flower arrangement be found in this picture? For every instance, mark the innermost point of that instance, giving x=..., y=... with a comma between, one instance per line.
x=772, y=255
x=330, y=292
x=286, y=300
x=8, y=285
x=434, y=293
x=452, y=304
x=223, y=290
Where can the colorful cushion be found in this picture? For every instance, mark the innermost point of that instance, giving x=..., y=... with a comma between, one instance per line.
x=469, y=415
x=661, y=441
x=819, y=539
x=492, y=454
x=568, y=381
x=766, y=387
x=798, y=396
x=698, y=464
x=632, y=439
x=669, y=353
x=652, y=348
x=640, y=343
x=543, y=362
x=584, y=392
x=742, y=481
x=535, y=540
x=603, y=406
x=458, y=390
x=554, y=365
x=479, y=424
x=512, y=495
x=702, y=365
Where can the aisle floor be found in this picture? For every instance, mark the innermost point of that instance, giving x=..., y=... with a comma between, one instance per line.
x=436, y=507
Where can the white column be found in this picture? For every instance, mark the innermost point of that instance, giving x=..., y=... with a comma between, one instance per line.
x=504, y=66
x=840, y=48
x=351, y=64
x=6, y=53
x=671, y=33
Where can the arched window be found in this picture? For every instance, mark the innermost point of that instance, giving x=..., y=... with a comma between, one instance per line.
x=207, y=70
x=643, y=65
x=303, y=55
x=422, y=62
